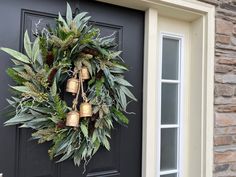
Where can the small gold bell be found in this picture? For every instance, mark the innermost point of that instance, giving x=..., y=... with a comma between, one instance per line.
x=72, y=119
x=85, y=73
x=85, y=109
x=72, y=85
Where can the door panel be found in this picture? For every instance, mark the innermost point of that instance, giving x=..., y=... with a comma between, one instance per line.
x=31, y=160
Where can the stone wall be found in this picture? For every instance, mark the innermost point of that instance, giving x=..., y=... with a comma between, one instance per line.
x=225, y=88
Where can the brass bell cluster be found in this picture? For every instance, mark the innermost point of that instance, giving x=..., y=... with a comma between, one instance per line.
x=74, y=85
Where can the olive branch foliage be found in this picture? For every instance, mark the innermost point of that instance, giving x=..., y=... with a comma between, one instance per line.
x=40, y=73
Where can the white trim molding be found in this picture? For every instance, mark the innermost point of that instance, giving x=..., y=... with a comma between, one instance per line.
x=201, y=17
x=150, y=99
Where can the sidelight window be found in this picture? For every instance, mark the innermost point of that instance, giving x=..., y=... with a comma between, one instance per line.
x=170, y=106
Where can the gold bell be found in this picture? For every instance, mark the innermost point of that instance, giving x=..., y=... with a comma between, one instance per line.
x=72, y=85
x=85, y=73
x=85, y=110
x=72, y=119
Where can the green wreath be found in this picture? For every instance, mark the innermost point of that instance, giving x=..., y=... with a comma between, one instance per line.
x=72, y=53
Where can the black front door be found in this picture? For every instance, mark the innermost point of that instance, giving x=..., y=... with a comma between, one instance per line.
x=20, y=157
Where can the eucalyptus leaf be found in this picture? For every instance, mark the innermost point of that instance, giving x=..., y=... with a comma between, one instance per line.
x=58, y=74
x=89, y=151
x=35, y=123
x=65, y=156
x=84, y=129
x=16, y=62
x=108, y=39
x=40, y=59
x=103, y=51
x=99, y=84
x=123, y=99
x=27, y=44
x=117, y=70
x=128, y=93
x=115, y=54
x=54, y=119
x=106, y=143
x=35, y=113
x=15, y=99
x=101, y=114
x=77, y=160
x=38, y=119
x=98, y=123
x=84, y=153
x=22, y=89
x=78, y=17
x=17, y=55
x=63, y=144
x=10, y=102
x=94, y=136
x=68, y=14
x=82, y=22
x=53, y=89
x=96, y=146
x=18, y=119
x=18, y=68
x=95, y=109
x=120, y=115
x=61, y=19
x=35, y=53
x=43, y=110
x=105, y=109
x=81, y=149
x=120, y=65
x=122, y=81
x=109, y=77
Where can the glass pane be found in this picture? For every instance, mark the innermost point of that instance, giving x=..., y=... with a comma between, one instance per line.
x=168, y=149
x=170, y=59
x=170, y=175
x=169, y=103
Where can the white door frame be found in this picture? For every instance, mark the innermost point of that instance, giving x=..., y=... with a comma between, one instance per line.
x=202, y=16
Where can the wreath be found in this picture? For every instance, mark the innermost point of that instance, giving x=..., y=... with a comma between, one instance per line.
x=72, y=57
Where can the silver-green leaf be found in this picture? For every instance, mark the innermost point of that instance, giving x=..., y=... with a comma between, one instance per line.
x=22, y=89
x=123, y=99
x=17, y=55
x=128, y=93
x=84, y=129
x=53, y=90
x=27, y=44
x=123, y=82
x=106, y=143
x=17, y=119
x=79, y=17
x=68, y=14
x=61, y=19
x=35, y=53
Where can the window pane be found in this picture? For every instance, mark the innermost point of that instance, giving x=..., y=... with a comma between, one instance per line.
x=171, y=175
x=170, y=59
x=169, y=103
x=168, y=149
